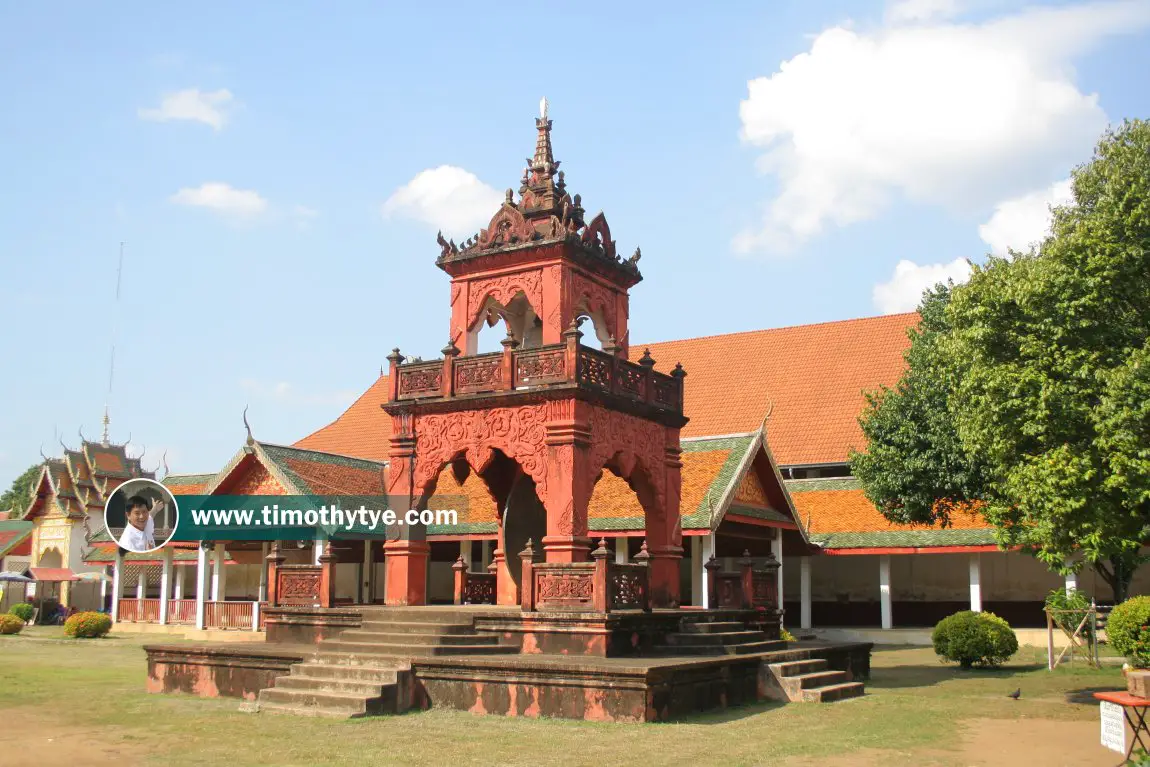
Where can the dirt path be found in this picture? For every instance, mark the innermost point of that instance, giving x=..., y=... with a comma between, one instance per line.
x=28, y=737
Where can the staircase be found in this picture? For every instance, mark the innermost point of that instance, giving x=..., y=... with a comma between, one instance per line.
x=717, y=638
x=367, y=671
x=812, y=682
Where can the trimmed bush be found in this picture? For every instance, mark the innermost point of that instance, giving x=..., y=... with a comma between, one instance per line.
x=23, y=611
x=974, y=639
x=88, y=625
x=786, y=636
x=10, y=624
x=1074, y=601
x=1125, y=629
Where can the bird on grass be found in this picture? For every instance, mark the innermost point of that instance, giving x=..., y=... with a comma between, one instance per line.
x=1016, y=694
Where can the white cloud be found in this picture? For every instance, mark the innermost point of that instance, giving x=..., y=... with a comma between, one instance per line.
x=303, y=216
x=903, y=291
x=957, y=115
x=447, y=198
x=285, y=393
x=222, y=198
x=908, y=11
x=208, y=107
x=1024, y=221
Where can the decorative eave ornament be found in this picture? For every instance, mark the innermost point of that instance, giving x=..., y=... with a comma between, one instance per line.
x=545, y=212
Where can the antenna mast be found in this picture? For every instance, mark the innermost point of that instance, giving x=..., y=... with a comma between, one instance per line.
x=112, y=361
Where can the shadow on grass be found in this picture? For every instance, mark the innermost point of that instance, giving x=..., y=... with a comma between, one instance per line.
x=901, y=677
x=1085, y=696
x=729, y=714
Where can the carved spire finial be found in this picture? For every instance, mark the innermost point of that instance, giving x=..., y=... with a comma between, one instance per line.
x=105, y=441
x=248, y=426
x=543, y=107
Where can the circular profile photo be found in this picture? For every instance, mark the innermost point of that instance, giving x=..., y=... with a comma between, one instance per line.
x=141, y=515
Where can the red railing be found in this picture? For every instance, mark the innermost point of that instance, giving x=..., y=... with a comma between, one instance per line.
x=597, y=586
x=139, y=611
x=750, y=587
x=553, y=364
x=182, y=611
x=228, y=615
x=298, y=584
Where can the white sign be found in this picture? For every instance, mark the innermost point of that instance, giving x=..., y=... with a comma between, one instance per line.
x=1113, y=726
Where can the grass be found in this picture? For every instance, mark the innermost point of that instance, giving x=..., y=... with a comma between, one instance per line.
x=914, y=703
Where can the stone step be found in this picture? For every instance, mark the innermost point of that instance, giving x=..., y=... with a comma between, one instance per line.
x=365, y=688
x=716, y=637
x=379, y=637
x=820, y=679
x=337, y=672
x=712, y=627
x=767, y=645
x=414, y=627
x=799, y=667
x=833, y=692
x=296, y=710
x=351, y=704
x=369, y=652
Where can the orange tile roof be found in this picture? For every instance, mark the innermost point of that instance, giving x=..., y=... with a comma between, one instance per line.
x=362, y=431
x=810, y=377
x=849, y=511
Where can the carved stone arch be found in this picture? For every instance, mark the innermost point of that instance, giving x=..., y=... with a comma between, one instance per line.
x=507, y=227
x=502, y=291
x=598, y=234
x=595, y=300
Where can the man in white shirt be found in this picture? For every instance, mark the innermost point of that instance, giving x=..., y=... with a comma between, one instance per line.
x=139, y=534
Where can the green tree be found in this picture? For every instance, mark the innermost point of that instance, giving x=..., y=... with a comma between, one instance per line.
x=17, y=496
x=915, y=469
x=1054, y=392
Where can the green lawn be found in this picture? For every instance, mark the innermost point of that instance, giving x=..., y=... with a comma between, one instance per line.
x=92, y=692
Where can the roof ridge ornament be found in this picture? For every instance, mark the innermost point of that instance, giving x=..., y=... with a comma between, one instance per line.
x=251, y=440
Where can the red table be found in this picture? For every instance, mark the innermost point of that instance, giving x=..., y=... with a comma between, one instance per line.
x=1130, y=703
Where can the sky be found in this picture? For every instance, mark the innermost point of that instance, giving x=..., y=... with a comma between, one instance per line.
x=277, y=174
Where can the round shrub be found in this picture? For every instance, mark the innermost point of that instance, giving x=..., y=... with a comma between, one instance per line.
x=974, y=639
x=1124, y=629
x=10, y=624
x=88, y=625
x=23, y=611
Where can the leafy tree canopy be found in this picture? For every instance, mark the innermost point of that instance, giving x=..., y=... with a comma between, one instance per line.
x=17, y=496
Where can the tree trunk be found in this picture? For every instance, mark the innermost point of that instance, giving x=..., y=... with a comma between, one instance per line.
x=1118, y=575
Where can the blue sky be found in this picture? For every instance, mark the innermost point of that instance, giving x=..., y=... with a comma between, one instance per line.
x=278, y=173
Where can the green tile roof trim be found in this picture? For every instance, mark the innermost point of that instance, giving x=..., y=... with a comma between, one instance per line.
x=21, y=529
x=176, y=480
x=909, y=539
x=470, y=528
x=737, y=450
x=108, y=554
x=835, y=483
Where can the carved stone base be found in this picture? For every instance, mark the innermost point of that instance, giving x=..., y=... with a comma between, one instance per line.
x=406, y=566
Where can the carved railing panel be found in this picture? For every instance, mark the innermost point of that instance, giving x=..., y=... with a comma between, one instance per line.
x=630, y=379
x=665, y=391
x=765, y=589
x=729, y=590
x=480, y=373
x=564, y=586
x=182, y=611
x=228, y=615
x=298, y=584
x=479, y=589
x=595, y=368
x=421, y=379
x=537, y=367
x=627, y=587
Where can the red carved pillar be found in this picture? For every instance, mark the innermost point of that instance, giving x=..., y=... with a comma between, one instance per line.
x=460, y=568
x=450, y=352
x=527, y=579
x=394, y=360
x=713, y=568
x=327, y=562
x=599, y=578
x=554, y=304
x=664, y=532
x=405, y=559
x=506, y=591
x=508, y=362
x=569, y=487
x=274, y=560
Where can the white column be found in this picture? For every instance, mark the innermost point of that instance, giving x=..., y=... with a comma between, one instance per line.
x=697, y=570
x=621, y=544
x=178, y=591
x=706, y=551
x=103, y=589
x=884, y=590
x=1072, y=581
x=317, y=551
x=219, y=582
x=201, y=582
x=262, y=594
x=142, y=583
x=165, y=583
x=975, y=583
x=117, y=583
x=777, y=550
x=804, y=592
x=369, y=572
x=255, y=616
x=465, y=552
